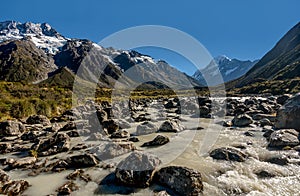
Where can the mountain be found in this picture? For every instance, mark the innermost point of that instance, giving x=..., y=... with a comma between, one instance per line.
x=144, y=69
x=21, y=60
x=42, y=35
x=230, y=69
x=45, y=52
x=280, y=64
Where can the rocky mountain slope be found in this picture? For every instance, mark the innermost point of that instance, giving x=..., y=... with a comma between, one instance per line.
x=230, y=69
x=279, y=64
x=97, y=64
x=21, y=60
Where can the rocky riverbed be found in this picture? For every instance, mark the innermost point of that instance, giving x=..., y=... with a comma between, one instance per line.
x=185, y=146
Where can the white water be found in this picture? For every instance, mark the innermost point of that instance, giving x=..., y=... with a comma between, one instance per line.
x=219, y=177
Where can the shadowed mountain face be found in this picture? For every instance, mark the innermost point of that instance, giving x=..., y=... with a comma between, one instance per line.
x=280, y=63
x=21, y=60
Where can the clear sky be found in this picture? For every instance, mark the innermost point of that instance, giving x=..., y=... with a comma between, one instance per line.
x=237, y=28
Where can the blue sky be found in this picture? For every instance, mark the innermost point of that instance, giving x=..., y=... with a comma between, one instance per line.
x=238, y=29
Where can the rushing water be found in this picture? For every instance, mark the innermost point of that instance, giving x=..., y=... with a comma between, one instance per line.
x=220, y=177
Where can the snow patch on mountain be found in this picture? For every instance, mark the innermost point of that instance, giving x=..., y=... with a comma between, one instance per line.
x=42, y=35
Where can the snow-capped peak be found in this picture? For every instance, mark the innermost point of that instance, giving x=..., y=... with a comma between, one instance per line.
x=221, y=58
x=42, y=34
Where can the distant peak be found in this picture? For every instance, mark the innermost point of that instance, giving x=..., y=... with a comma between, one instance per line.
x=221, y=58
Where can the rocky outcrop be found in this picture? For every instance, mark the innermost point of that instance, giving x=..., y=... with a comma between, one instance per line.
x=289, y=114
x=137, y=169
x=228, y=154
x=183, y=180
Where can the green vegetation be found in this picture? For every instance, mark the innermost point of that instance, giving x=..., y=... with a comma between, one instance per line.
x=19, y=100
x=33, y=153
x=274, y=87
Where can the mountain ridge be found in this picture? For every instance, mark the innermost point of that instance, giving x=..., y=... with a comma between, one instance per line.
x=229, y=69
x=72, y=53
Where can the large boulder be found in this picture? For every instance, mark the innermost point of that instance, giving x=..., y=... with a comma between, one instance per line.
x=157, y=141
x=59, y=142
x=11, y=128
x=183, y=180
x=81, y=161
x=228, y=154
x=289, y=114
x=171, y=126
x=284, y=137
x=242, y=120
x=38, y=119
x=146, y=128
x=137, y=169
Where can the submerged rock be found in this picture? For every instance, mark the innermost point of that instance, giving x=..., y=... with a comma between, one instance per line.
x=136, y=170
x=183, y=180
x=228, y=154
